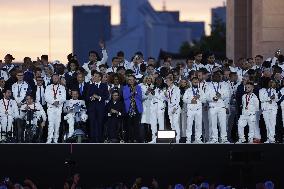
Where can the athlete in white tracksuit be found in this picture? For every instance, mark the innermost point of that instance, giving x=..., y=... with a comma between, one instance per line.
x=205, y=121
x=157, y=110
x=55, y=95
x=281, y=100
x=268, y=98
x=193, y=98
x=217, y=95
x=250, y=105
x=174, y=110
x=8, y=112
x=69, y=109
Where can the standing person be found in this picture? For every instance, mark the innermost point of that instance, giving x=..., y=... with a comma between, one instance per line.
x=157, y=108
x=122, y=61
x=197, y=60
x=8, y=59
x=94, y=61
x=268, y=98
x=147, y=96
x=183, y=86
x=250, y=105
x=217, y=95
x=193, y=99
x=39, y=92
x=173, y=98
x=55, y=96
x=114, y=66
x=8, y=112
x=97, y=94
x=132, y=95
x=115, y=112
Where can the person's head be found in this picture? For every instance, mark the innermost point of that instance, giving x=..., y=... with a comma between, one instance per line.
x=115, y=95
x=189, y=62
x=7, y=93
x=2, y=82
x=267, y=72
x=246, y=65
x=150, y=70
x=115, y=61
x=96, y=76
x=29, y=99
x=198, y=57
x=216, y=77
x=44, y=59
x=241, y=61
x=8, y=59
x=121, y=70
x=272, y=84
x=159, y=81
x=233, y=76
x=169, y=80
x=105, y=78
x=131, y=80
x=115, y=79
x=148, y=80
x=226, y=75
x=93, y=56
x=55, y=79
x=151, y=61
x=80, y=77
x=249, y=87
x=277, y=53
x=250, y=61
x=120, y=56
x=73, y=65
x=37, y=72
x=137, y=59
x=20, y=75
x=195, y=82
x=183, y=83
x=27, y=60
x=48, y=70
x=75, y=94
x=39, y=81
x=211, y=58
x=103, y=68
x=258, y=60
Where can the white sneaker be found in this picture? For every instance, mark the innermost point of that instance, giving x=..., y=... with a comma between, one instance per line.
x=48, y=142
x=225, y=141
x=198, y=141
x=240, y=141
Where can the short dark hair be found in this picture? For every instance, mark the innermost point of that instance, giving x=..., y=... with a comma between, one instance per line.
x=259, y=56
x=113, y=58
x=45, y=57
x=96, y=72
x=120, y=54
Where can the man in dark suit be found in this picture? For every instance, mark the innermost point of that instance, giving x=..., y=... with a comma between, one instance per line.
x=81, y=85
x=97, y=93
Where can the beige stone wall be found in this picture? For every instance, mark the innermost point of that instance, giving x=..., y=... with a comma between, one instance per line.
x=267, y=28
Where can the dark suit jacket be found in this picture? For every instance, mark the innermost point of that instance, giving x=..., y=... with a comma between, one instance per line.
x=102, y=91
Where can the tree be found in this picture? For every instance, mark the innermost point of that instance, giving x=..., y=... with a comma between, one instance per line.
x=216, y=42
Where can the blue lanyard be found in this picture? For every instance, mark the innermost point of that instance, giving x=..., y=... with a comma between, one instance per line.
x=195, y=92
x=269, y=92
x=216, y=90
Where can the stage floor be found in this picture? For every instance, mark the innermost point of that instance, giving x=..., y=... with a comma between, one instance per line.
x=239, y=164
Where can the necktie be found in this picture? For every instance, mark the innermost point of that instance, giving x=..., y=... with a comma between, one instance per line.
x=81, y=89
x=40, y=97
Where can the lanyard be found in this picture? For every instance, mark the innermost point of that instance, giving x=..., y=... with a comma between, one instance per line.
x=248, y=98
x=6, y=107
x=195, y=92
x=55, y=91
x=171, y=94
x=216, y=90
x=269, y=91
x=20, y=89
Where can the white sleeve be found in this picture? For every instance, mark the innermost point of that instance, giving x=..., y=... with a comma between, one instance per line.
x=186, y=97
x=104, y=59
x=63, y=95
x=48, y=97
x=262, y=96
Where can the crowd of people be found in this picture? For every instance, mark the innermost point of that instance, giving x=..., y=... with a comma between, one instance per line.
x=75, y=183
x=203, y=99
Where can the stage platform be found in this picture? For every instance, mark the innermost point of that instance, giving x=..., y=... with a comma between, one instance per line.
x=241, y=164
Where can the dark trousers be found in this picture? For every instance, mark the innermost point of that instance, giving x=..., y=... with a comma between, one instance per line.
x=19, y=124
x=133, y=124
x=96, y=119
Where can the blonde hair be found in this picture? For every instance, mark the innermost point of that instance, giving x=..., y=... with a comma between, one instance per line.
x=146, y=78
